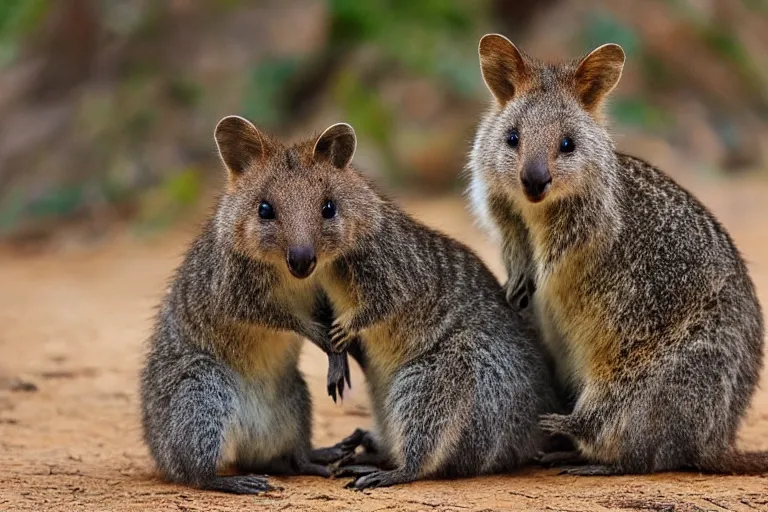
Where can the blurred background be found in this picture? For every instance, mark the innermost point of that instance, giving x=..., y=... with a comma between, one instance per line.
x=107, y=165
x=107, y=107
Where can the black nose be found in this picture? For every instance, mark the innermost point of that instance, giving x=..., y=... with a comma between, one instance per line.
x=301, y=261
x=536, y=179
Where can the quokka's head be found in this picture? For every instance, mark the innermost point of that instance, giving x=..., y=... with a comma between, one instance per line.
x=298, y=206
x=544, y=135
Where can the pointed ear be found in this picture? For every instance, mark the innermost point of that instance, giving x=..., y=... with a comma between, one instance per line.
x=504, y=69
x=337, y=144
x=597, y=75
x=240, y=144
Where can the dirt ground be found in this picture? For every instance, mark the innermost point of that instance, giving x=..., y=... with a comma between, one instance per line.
x=73, y=326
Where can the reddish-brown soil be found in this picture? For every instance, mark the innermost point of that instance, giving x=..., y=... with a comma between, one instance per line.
x=73, y=326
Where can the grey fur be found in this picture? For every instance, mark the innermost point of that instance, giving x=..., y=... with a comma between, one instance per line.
x=457, y=380
x=221, y=386
x=644, y=301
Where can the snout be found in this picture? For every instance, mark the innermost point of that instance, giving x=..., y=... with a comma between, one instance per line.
x=536, y=180
x=301, y=261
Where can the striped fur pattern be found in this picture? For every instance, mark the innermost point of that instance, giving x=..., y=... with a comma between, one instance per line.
x=644, y=301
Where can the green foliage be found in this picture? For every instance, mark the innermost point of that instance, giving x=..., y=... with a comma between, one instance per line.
x=761, y=6
x=729, y=47
x=184, y=91
x=363, y=108
x=264, y=91
x=656, y=71
x=172, y=197
x=17, y=19
x=11, y=211
x=642, y=114
x=602, y=28
x=431, y=37
x=725, y=43
x=183, y=188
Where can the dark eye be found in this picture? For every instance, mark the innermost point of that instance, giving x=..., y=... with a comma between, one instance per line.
x=266, y=211
x=513, y=138
x=567, y=145
x=329, y=210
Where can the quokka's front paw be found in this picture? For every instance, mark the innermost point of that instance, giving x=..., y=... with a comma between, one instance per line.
x=554, y=424
x=338, y=373
x=340, y=337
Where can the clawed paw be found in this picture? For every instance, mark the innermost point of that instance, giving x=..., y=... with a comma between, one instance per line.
x=591, y=470
x=553, y=459
x=552, y=423
x=338, y=374
x=340, y=337
x=370, y=481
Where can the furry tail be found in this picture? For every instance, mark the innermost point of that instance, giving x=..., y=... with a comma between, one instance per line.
x=737, y=463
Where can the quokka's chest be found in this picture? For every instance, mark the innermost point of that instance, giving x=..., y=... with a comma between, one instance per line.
x=574, y=328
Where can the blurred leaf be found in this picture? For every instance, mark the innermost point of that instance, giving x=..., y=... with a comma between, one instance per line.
x=363, y=108
x=640, y=113
x=140, y=123
x=602, y=28
x=184, y=91
x=57, y=202
x=263, y=93
x=17, y=19
x=727, y=44
x=166, y=202
x=12, y=210
x=756, y=5
x=425, y=36
x=183, y=189
x=460, y=70
x=656, y=71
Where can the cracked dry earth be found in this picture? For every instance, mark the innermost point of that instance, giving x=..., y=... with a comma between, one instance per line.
x=73, y=326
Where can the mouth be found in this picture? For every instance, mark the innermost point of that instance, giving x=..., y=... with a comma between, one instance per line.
x=537, y=197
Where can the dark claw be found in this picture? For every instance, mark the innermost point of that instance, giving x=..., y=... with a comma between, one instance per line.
x=370, y=481
x=246, y=484
x=355, y=470
x=591, y=470
x=553, y=459
x=347, y=376
x=338, y=368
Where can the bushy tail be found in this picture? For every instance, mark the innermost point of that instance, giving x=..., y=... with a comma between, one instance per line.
x=737, y=463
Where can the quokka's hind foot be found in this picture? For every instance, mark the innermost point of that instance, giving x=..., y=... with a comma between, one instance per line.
x=376, y=458
x=382, y=479
x=344, y=448
x=313, y=468
x=239, y=484
x=553, y=459
x=359, y=464
x=593, y=470
x=354, y=470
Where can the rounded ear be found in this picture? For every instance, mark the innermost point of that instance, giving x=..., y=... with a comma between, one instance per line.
x=336, y=144
x=598, y=73
x=240, y=144
x=503, y=67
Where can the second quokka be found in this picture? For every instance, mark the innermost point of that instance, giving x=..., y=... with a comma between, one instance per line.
x=644, y=300
x=457, y=380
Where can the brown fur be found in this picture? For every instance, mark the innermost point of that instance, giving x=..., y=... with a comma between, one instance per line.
x=644, y=301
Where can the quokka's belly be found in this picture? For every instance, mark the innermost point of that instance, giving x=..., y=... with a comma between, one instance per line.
x=261, y=428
